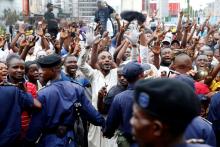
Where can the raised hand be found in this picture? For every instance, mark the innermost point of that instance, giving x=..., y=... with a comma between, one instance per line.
x=196, y=41
x=23, y=43
x=64, y=34
x=2, y=41
x=31, y=41
x=91, y=38
x=117, y=17
x=21, y=29
x=77, y=49
x=156, y=50
x=102, y=92
x=133, y=37
x=181, y=13
x=40, y=32
x=124, y=27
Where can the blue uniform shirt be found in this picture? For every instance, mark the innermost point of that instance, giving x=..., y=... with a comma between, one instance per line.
x=120, y=114
x=111, y=94
x=214, y=112
x=12, y=102
x=200, y=128
x=214, y=115
x=58, y=101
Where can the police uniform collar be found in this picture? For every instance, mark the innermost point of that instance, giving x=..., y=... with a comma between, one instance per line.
x=131, y=86
x=54, y=81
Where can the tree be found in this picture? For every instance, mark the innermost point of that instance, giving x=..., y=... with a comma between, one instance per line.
x=10, y=16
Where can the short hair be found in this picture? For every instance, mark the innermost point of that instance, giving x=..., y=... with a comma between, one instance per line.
x=65, y=58
x=104, y=51
x=206, y=47
x=180, y=54
x=11, y=57
x=28, y=64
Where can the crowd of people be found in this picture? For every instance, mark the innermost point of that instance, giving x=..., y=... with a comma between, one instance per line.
x=74, y=85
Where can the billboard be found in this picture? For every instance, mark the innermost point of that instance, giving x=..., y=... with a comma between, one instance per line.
x=174, y=9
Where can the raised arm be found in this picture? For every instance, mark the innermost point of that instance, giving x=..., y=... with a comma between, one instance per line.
x=86, y=69
x=121, y=53
x=28, y=46
x=192, y=33
x=15, y=39
x=184, y=39
x=179, y=26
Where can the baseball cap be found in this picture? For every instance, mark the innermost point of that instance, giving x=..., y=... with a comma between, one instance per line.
x=132, y=70
x=167, y=40
x=171, y=101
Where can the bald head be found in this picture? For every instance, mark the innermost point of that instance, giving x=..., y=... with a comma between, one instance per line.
x=182, y=63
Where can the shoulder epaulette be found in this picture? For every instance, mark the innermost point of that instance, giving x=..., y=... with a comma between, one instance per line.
x=206, y=121
x=75, y=82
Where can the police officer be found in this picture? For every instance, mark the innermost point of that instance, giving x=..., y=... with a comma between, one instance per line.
x=199, y=130
x=121, y=109
x=214, y=115
x=59, y=99
x=13, y=101
x=162, y=110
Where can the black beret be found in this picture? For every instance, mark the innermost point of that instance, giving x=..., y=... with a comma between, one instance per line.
x=49, y=61
x=171, y=100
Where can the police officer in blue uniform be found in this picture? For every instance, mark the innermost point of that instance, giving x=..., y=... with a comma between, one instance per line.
x=12, y=102
x=55, y=123
x=200, y=129
x=162, y=110
x=121, y=108
x=214, y=115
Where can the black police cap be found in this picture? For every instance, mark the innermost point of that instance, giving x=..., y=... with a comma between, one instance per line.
x=171, y=100
x=49, y=61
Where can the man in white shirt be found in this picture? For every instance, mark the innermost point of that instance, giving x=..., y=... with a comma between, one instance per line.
x=105, y=76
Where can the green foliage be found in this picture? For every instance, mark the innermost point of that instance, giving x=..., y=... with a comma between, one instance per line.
x=10, y=16
x=2, y=30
